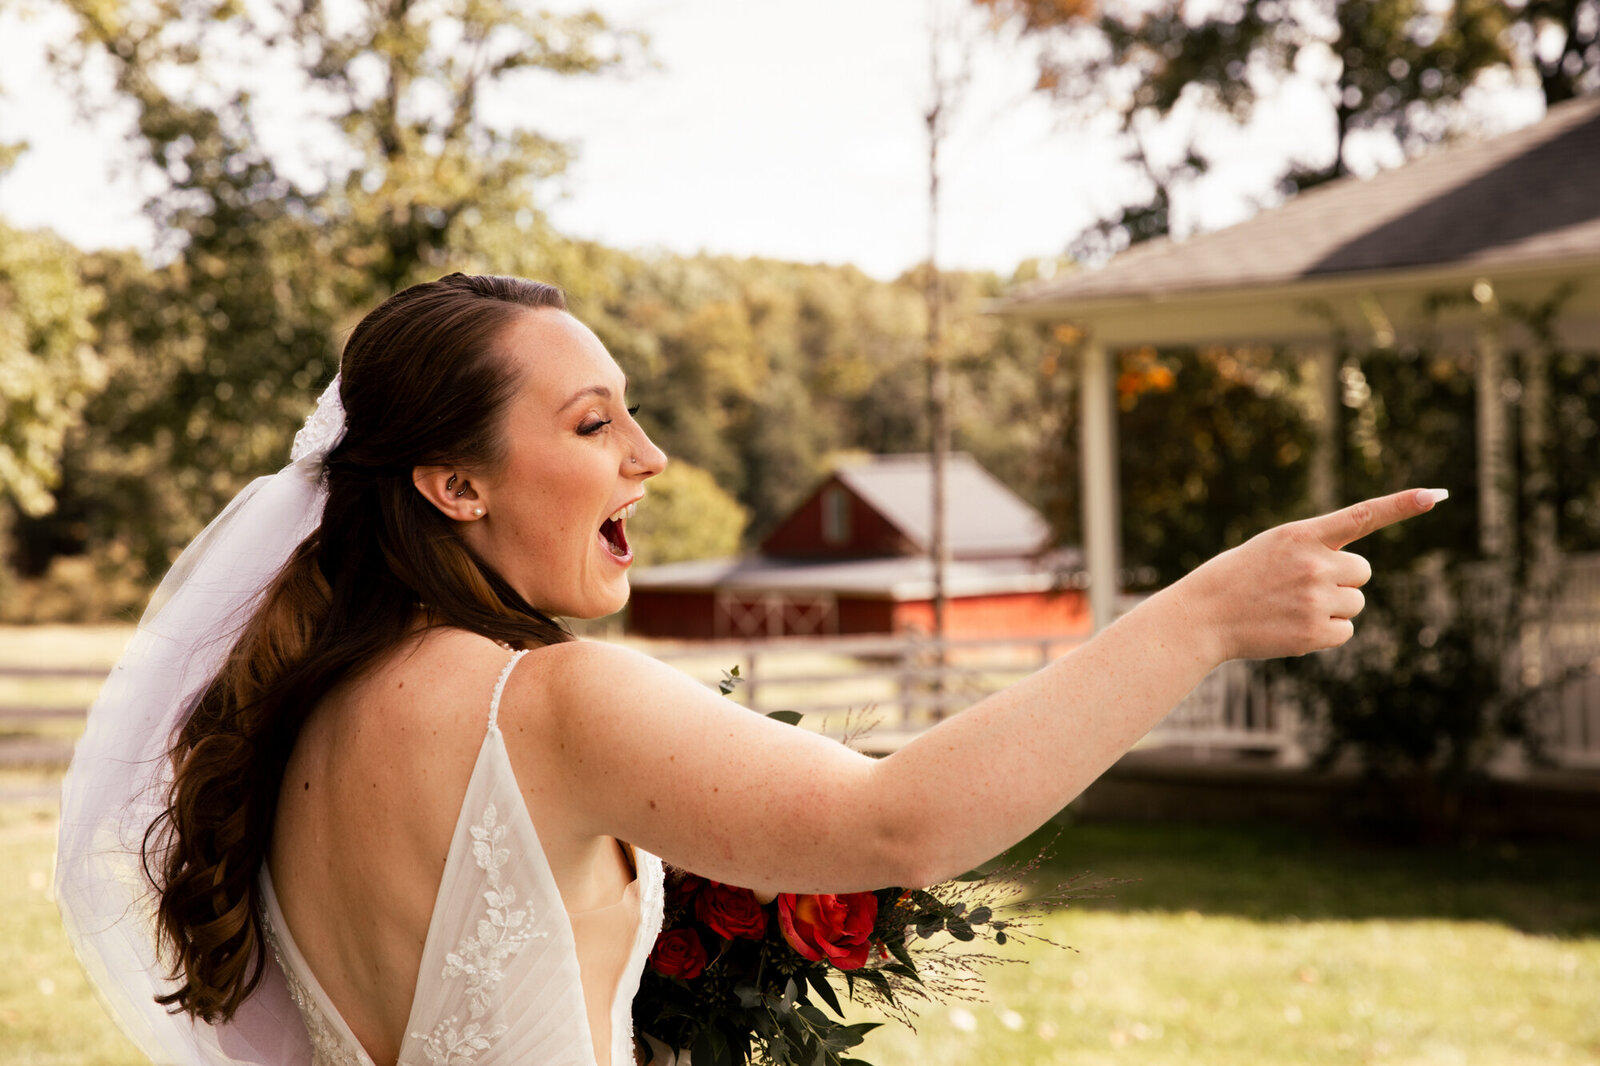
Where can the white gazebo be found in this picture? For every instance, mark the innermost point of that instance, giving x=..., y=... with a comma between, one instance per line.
x=1455, y=246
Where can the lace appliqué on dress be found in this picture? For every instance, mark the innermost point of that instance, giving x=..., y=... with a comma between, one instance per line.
x=327, y=1047
x=503, y=931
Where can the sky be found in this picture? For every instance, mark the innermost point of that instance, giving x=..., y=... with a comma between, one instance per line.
x=783, y=130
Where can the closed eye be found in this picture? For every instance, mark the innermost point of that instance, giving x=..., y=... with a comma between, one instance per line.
x=591, y=428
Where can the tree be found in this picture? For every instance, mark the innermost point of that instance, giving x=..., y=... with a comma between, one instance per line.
x=266, y=255
x=49, y=368
x=1394, y=69
x=685, y=515
x=1561, y=40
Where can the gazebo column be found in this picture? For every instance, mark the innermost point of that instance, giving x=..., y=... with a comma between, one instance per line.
x=1494, y=443
x=1538, y=480
x=1102, y=517
x=1322, y=373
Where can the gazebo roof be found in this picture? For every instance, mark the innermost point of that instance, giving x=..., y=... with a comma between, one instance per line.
x=1522, y=205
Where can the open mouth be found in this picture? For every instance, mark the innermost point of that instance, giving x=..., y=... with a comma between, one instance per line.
x=614, y=531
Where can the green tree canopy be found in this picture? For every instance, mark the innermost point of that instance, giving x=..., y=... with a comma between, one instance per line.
x=218, y=345
x=1388, y=69
x=49, y=368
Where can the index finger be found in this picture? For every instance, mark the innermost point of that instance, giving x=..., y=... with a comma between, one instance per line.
x=1338, y=528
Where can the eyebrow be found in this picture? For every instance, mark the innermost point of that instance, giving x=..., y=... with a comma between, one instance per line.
x=602, y=391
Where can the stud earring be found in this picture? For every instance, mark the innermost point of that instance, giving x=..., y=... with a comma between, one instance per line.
x=477, y=512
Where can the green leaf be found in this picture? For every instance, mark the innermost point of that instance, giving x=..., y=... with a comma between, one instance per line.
x=814, y=1015
x=712, y=1047
x=786, y=717
x=819, y=981
x=875, y=979
x=980, y=915
x=959, y=929
x=897, y=948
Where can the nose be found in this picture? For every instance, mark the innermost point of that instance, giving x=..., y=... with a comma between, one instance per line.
x=648, y=460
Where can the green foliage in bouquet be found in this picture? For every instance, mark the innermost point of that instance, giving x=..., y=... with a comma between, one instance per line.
x=736, y=978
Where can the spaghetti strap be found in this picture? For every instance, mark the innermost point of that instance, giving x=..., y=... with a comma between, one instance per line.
x=500, y=687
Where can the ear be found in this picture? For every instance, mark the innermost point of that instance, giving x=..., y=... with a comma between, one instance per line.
x=450, y=489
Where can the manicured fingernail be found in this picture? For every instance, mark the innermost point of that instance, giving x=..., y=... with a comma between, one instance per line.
x=1432, y=496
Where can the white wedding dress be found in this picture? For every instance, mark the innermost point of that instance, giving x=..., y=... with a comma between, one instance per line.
x=499, y=981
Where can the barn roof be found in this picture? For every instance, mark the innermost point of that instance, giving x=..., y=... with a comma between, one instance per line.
x=985, y=517
x=1521, y=199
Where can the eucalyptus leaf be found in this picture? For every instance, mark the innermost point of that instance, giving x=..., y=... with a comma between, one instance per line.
x=813, y=1015
x=786, y=717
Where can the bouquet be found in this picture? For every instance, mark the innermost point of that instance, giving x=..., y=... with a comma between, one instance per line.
x=736, y=978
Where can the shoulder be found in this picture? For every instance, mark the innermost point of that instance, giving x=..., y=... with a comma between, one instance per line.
x=580, y=678
x=433, y=691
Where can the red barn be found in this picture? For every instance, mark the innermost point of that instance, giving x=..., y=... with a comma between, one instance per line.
x=854, y=557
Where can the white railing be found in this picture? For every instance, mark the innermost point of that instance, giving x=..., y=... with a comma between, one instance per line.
x=902, y=685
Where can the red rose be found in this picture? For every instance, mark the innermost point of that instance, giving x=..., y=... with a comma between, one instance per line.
x=681, y=887
x=678, y=953
x=730, y=911
x=835, y=928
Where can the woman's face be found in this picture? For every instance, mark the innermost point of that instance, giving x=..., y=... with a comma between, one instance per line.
x=555, y=512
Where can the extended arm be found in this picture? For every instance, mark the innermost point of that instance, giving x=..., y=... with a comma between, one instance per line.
x=659, y=761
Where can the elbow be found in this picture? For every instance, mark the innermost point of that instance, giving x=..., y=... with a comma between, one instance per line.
x=911, y=842
x=909, y=851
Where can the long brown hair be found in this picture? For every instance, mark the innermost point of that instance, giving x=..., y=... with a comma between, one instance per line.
x=423, y=382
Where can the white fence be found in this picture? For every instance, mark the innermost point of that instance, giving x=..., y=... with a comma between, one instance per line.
x=901, y=686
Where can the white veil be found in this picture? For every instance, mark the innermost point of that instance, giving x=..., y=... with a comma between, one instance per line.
x=117, y=783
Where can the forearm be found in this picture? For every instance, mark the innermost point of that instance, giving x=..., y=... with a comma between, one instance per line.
x=983, y=779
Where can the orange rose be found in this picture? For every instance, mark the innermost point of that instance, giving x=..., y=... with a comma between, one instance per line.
x=835, y=928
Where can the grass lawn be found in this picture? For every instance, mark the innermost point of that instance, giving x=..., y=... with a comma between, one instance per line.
x=1243, y=946
x=1233, y=946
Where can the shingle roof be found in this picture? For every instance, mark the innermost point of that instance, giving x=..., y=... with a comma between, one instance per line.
x=985, y=517
x=1530, y=196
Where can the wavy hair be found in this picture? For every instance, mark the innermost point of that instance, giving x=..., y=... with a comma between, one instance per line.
x=424, y=381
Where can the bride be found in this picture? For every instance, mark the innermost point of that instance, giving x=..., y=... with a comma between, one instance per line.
x=354, y=796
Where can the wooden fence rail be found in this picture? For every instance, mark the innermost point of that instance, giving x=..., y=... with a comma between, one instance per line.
x=909, y=683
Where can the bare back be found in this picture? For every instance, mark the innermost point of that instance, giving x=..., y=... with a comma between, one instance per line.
x=367, y=812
